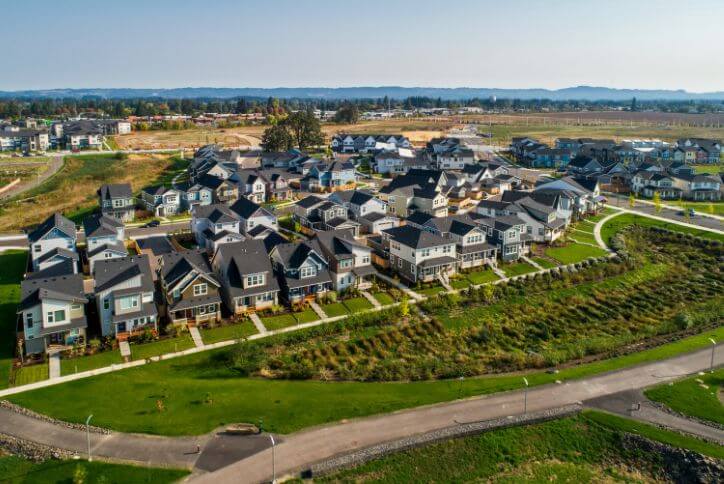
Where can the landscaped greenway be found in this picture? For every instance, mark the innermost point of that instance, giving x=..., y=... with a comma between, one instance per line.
x=697, y=396
x=618, y=223
x=15, y=470
x=585, y=448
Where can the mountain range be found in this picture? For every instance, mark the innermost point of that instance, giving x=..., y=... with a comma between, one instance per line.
x=583, y=93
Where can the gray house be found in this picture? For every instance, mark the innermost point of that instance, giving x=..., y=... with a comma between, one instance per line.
x=117, y=201
x=52, y=241
x=104, y=238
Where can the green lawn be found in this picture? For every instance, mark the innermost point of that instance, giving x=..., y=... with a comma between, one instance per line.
x=84, y=363
x=160, y=347
x=357, y=304
x=482, y=276
x=711, y=169
x=16, y=470
x=582, y=448
x=517, y=268
x=430, y=291
x=573, y=252
x=460, y=282
x=31, y=374
x=696, y=396
x=715, y=208
x=585, y=237
x=544, y=262
x=306, y=316
x=229, y=332
x=334, y=309
x=278, y=322
x=13, y=264
x=611, y=227
x=383, y=298
x=285, y=405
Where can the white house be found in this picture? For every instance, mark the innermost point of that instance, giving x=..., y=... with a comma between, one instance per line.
x=56, y=234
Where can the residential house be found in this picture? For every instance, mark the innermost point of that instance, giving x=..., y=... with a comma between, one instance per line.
x=579, y=196
x=52, y=311
x=349, y=261
x=124, y=292
x=104, y=238
x=53, y=241
x=213, y=225
x=190, y=288
x=358, y=202
x=327, y=177
x=419, y=255
x=319, y=214
x=193, y=195
x=302, y=270
x=583, y=165
x=417, y=190
x=362, y=143
x=223, y=190
x=251, y=215
x=706, y=150
x=507, y=233
x=162, y=201
x=116, y=200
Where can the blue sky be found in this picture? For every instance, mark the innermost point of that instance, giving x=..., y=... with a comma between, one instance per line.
x=660, y=44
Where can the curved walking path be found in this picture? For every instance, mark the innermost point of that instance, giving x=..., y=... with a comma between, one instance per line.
x=597, y=230
x=300, y=450
x=53, y=167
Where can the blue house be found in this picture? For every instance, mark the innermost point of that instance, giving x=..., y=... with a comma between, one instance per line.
x=550, y=158
x=330, y=176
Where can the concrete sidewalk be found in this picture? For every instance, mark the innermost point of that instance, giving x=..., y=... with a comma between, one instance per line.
x=304, y=448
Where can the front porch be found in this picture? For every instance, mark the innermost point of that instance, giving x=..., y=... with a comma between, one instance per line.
x=431, y=269
x=307, y=293
x=195, y=315
x=132, y=327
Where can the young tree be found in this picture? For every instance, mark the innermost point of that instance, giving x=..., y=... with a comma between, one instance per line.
x=276, y=138
x=657, y=202
x=632, y=200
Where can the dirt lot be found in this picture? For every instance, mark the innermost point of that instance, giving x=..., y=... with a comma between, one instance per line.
x=244, y=138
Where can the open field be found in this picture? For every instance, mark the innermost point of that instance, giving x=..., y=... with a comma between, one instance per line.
x=72, y=190
x=16, y=470
x=241, y=137
x=584, y=448
x=699, y=396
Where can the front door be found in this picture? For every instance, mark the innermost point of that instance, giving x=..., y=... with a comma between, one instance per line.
x=121, y=327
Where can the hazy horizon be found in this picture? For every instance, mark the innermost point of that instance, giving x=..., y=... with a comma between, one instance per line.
x=521, y=44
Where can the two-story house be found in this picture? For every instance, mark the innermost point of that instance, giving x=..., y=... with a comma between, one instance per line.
x=420, y=255
x=223, y=190
x=247, y=280
x=327, y=177
x=213, y=225
x=417, y=190
x=252, y=185
x=366, y=209
x=104, y=238
x=117, y=201
x=349, y=261
x=195, y=194
x=507, y=233
x=579, y=196
x=319, y=214
x=162, y=201
x=190, y=288
x=124, y=292
x=53, y=242
x=251, y=215
x=302, y=271
x=52, y=311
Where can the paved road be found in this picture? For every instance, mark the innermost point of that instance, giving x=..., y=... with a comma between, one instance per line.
x=304, y=448
x=669, y=214
x=55, y=164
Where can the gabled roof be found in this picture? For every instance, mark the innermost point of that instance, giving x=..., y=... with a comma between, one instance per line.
x=246, y=209
x=339, y=243
x=355, y=197
x=215, y=213
x=419, y=218
x=63, y=288
x=155, y=190
x=116, y=190
x=310, y=201
x=177, y=265
x=99, y=225
x=413, y=237
x=60, y=252
x=111, y=272
x=55, y=221
x=115, y=247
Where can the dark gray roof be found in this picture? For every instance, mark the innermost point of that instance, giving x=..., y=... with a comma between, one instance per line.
x=117, y=190
x=111, y=272
x=415, y=238
x=59, y=251
x=246, y=209
x=310, y=201
x=55, y=221
x=176, y=265
x=216, y=213
x=115, y=246
x=355, y=197
x=64, y=288
x=99, y=225
x=247, y=257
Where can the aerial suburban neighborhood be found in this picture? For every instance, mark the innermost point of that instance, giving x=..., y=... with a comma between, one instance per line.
x=360, y=284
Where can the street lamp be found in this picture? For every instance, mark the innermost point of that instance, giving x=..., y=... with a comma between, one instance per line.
x=87, y=436
x=525, y=397
x=274, y=468
x=713, y=347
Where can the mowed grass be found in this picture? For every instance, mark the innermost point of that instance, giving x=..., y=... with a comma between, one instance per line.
x=696, y=396
x=13, y=268
x=357, y=304
x=573, y=252
x=584, y=237
x=383, y=298
x=31, y=374
x=617, y=223
x=582, y=448
x=306, y=316
x=517, y=268
x=84, y=363
x=333, y=310
x=482, y=276
x=16, y=470
x=545, y=263
x=285, y=405
x=711, y=208
x=229, y=332
x=278, y=322
x=160, y=347
x=72, y=190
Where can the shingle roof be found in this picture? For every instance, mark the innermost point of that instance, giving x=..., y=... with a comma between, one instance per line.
x=414, y=237
x=111, y=272
x=64, y=288
x=117, y=190
x=216, y=213
x=246, y=209
x=55, y=221
x=99, y=225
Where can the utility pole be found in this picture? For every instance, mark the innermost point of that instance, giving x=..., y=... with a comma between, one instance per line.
x=274, y=468
x=87, y=436
x=525, y=397
x=713, y=347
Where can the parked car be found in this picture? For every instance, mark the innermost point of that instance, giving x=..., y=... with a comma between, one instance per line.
x=152, y=223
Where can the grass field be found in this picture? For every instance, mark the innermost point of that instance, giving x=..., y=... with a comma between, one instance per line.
x=16, y=470
x=482, y=276
x=383, y=298
x=13, y=268
x=697, y=396
x=433, y=290
x=160, y=347
x=544, y=262
x=229, y=332
x=572, y=252
x=72, y=190
x=31, y=374
x=582, y=236
x=334, y=309
x=713, y=208
x=357, y=304
x=517, y=268
x=84, y=363
x=617, y=223
x=583, y=448
x=306, y=316
x=278, y=322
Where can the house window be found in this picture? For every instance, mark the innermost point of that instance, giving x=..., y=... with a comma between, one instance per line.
x=56, y=316
x=200, y=289
x=106, y=304
x=29, y=320
x=345, y=264
x=211, y=308
x=447, y=249
x=128, y=302
x=307, y=272
x=176, y=293
x=37, y=248
x=201, y=309
x=366, y=259
x=255, y=280
x=75, y=306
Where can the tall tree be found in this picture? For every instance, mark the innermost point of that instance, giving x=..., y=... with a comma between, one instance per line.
x=276, y=138
x=305, y=129
x=347, y=113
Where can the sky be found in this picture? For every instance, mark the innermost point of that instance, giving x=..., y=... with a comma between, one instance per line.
x=645, y=44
